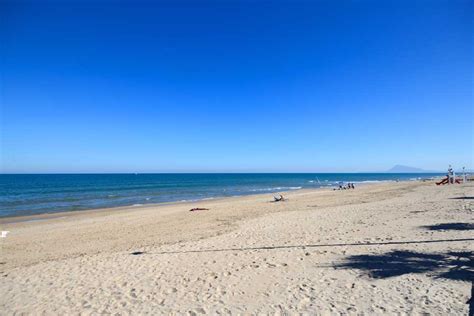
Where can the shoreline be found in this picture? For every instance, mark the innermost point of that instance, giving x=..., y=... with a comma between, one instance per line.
x=66, y=235
x=66, y=214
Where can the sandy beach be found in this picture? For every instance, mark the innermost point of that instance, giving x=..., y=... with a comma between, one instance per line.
x=402, y=247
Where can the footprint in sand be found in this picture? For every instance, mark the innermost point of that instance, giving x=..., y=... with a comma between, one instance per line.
x=197, y=311
x=171, y=290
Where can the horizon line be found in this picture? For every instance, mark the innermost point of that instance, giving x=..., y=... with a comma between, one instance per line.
x=222, y=172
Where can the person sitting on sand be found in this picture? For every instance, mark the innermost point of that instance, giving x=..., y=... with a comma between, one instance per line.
x=279, y=199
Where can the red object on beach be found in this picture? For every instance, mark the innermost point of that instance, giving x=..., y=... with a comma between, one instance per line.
x=198, y=209
x=444, y=181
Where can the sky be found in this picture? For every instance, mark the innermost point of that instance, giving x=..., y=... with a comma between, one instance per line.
x=235, y=86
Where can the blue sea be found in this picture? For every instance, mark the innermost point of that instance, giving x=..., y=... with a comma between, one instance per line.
x=51, y=193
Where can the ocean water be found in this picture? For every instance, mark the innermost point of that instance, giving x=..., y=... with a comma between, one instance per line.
x=50, y=193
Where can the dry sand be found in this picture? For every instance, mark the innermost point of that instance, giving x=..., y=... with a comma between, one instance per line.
x=386, y=248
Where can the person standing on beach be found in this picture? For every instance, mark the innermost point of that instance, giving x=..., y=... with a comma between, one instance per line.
x=450, y=175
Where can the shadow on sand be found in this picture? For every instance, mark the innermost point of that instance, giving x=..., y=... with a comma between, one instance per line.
x=450, y=265
x=304, y=246
x=450, y=226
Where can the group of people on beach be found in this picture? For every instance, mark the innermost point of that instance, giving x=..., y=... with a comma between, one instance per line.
x=349, y=185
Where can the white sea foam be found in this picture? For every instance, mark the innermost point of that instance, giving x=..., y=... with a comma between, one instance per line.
x=275, y=189
x=369, y=181
x=366, y=181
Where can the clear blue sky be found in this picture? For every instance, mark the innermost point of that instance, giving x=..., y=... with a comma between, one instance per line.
x=345, y=86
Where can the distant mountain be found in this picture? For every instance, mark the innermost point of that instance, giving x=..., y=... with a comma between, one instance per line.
x=407, y=169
